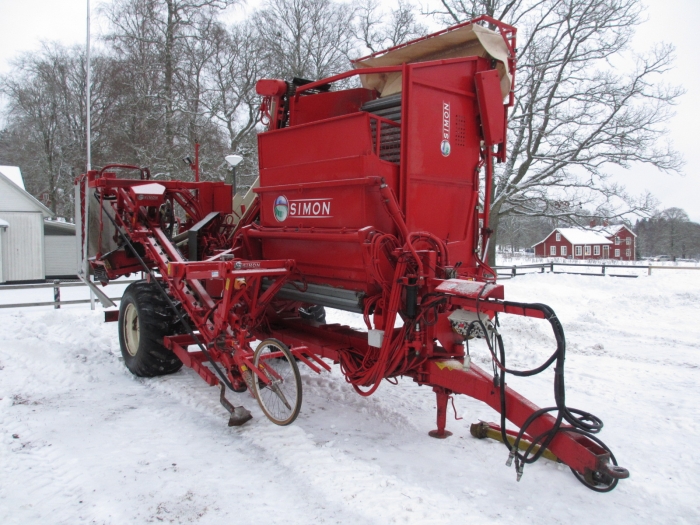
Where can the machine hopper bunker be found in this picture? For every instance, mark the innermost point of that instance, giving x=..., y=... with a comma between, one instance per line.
x=371, y=200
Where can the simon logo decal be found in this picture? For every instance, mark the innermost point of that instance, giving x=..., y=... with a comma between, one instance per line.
x=302, y=208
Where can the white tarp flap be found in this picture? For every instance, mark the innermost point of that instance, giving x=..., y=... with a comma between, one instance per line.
x=470, y=40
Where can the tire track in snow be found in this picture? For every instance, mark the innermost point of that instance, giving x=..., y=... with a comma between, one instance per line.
x=348, y=482
x=57, y=479
x=36, y=473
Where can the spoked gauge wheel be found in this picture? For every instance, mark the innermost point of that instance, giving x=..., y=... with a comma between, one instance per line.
x=280, y=399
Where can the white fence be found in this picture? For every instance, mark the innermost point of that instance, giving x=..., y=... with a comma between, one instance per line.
x=36, y=294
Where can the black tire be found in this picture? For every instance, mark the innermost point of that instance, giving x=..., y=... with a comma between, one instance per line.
x=313, y=312
x=144, y=319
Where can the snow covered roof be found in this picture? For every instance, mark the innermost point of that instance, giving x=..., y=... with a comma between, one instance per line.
x=4, y=224
x=617, y=227
x=9, y=191
x=14, y=174
x=612, y=229
x=576, y=236
x=58, y=227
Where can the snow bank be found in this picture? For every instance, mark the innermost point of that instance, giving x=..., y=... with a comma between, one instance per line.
x=83, y=441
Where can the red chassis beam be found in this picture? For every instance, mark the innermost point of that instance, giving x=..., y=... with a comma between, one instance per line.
x=449, y=376
x=578, y=452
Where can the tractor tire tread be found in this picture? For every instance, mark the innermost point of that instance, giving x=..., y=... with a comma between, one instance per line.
x=155, y=321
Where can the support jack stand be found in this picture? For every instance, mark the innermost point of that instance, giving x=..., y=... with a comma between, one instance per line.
x=239, y=415
x=442, y=396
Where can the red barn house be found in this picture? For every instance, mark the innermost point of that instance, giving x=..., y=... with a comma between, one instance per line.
x=572, y=243
x=623, y=240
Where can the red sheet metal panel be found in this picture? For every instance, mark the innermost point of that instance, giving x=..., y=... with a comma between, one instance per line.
x=320, y=198
x=321, y=106
x=441, y=142
x=345, y=136
x=488, y=90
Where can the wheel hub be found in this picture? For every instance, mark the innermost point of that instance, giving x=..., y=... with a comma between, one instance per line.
x=131, y=329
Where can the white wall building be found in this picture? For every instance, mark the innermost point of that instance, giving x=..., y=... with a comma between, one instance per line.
x=32, y=248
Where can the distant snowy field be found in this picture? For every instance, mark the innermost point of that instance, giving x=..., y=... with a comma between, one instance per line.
x=83, y=441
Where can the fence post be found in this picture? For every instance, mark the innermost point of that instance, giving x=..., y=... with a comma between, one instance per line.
x=649, y=270
x=56, y=294
x=513, y=271
x=542, y=269
x=551, y=267
x=603, y=268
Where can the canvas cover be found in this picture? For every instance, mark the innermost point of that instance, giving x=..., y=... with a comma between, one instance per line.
x=470, y=40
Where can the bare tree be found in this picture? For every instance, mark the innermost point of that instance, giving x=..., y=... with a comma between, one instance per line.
x=669, y=232
x=46, y=108
x=306, y=38
x=676, y=222
x=579, y=109
x=155, y=35
x=378, y=30
x=232, y=73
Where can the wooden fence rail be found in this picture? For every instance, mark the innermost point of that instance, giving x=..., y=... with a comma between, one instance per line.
x=513, y=269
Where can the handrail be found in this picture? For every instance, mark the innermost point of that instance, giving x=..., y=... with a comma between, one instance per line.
x=347, y=74
x=144, y=172
x=502, y=26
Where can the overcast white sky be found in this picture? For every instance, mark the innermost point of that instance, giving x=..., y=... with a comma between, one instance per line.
x=26, y=22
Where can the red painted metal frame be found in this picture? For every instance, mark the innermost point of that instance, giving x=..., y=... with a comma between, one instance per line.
x=230, y=295
x=218, y=320
x=575, y=450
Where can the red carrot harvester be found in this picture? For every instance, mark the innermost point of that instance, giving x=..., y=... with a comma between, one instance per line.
x=371, y=199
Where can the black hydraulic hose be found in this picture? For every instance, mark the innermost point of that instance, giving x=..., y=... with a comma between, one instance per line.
x=172, y=305
x=502, y=386
x=581, y=422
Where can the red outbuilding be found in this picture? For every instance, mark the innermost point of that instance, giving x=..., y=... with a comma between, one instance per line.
x=572, y=243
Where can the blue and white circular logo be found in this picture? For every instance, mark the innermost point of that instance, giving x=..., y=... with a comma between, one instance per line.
x=281, y=208
x=445, y=148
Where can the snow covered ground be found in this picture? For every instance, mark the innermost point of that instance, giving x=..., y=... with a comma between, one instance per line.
x=83, y=441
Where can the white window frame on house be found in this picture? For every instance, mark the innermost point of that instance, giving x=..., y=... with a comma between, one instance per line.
x=628, y=252
x=553, y=251
x=579, y=250
x=587, y=250
x=596, y=250
x=617, y=252
x=628, y=241
x=558, y=236
x=617, y=240
x=563, y=251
